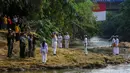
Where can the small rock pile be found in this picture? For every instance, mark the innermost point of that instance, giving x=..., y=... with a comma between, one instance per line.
x=125, y=44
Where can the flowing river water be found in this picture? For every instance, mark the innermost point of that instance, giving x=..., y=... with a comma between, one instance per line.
x=96, y=42
x=99, y=42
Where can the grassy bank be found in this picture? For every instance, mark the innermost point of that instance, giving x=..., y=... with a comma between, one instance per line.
x=65, y=58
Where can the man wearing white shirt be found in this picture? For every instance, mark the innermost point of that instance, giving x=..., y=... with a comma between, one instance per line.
x=60, y=40
x=54, y=42
x=114, y=45
x=67, y=38
x=117, y=45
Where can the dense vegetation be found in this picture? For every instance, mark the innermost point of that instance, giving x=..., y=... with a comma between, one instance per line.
x=46, y=16
x=118, y=23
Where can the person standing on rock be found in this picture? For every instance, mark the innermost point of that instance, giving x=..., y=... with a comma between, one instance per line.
x=117, y=45
x=60, y=40
x=85, y=44
x=22, y=45
x=54, y=42
x=10, y=41
x=67, y=38
x=44, y=51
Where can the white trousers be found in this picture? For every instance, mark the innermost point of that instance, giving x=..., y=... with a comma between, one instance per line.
x=54, y=47
x=85, y=50
x=60, y=44
x=66, y=43
x=44, y=57
x=116, y=50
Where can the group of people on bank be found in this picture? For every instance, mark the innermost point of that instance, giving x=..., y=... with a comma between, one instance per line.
x=115, y=44
x=7, y=22
x=57, y=41
x=27, y=43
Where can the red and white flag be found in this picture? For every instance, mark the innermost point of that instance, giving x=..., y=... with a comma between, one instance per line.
x=99, y=11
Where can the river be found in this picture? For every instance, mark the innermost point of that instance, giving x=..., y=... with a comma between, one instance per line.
x=98, y=42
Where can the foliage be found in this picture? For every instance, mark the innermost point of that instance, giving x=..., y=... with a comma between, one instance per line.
x=85, y=17
x=45, y=32
x=66, y=16
x=119, y=23
x=21, y=7
x=110, y=26
x=47, y=16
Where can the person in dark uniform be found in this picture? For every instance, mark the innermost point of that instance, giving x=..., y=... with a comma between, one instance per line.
x=34, y=44
x=30, y=45
x=10, y=41
x=22, y=45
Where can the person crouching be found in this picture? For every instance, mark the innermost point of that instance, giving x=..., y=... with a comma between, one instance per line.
x=44, y=50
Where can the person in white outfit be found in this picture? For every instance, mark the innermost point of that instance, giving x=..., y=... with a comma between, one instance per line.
x=113, y=44
x=54, y=42
x=67, y=38
x=44, y=51
x=117, y=45
x=85, y=44
x=60, y=40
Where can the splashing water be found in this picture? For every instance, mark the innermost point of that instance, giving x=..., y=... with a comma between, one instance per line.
x=99, y=42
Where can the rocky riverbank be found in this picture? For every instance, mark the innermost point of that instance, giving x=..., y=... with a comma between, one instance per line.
x=125, y=44
x=65, y=58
